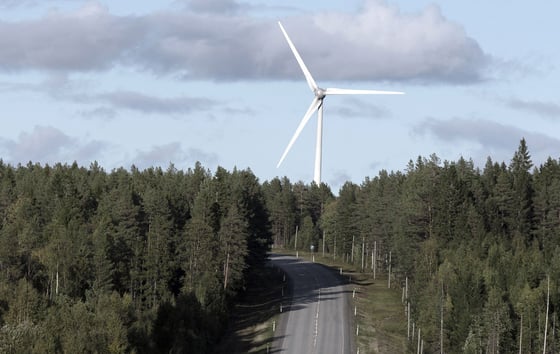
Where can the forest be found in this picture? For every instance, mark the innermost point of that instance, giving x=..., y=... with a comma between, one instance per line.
x=128, y=261
x=152, y=261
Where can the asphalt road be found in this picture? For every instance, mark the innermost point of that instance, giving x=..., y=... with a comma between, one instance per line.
x=316, y=317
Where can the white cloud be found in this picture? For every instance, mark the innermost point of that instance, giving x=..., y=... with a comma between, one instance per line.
x=377, y=43
x=388, y=44
x=87, y=39
x=47, y=144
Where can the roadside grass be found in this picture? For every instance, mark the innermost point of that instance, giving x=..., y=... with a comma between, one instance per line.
x=250, y=329
x=380, y=314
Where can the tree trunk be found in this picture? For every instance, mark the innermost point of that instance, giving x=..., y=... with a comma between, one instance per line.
x=547, y=306
x=226, y=271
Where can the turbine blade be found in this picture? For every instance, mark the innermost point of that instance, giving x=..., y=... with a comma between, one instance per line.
x=312, y=108
x=339, y=91
x=312, y=85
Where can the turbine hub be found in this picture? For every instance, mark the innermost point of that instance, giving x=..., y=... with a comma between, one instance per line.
x=319, y=93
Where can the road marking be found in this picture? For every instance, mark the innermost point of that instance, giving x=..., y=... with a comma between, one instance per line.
x=317, y=320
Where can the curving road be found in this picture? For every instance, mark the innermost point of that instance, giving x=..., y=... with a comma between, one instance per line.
x=316, y=317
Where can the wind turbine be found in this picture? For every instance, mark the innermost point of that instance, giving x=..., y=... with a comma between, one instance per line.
x=317, y=105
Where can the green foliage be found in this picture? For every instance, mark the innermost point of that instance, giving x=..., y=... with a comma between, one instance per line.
x=127, y=261
x=151, y=261
x=476, y=246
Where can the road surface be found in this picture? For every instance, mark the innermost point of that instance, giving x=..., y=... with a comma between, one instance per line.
x=315, y=318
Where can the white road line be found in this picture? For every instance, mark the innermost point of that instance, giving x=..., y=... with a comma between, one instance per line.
x=343, y=329
x=317, y=320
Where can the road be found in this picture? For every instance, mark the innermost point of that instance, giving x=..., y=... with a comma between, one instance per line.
x=315, y=319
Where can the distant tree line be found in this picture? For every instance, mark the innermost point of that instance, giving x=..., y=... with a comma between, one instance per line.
x=127, y=261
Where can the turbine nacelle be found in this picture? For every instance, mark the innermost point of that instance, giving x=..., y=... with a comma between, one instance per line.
x=320, y=93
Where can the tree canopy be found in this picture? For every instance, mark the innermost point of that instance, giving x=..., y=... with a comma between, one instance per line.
x=152, y=260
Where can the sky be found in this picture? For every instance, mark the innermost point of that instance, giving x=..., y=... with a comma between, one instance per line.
x=149, y=83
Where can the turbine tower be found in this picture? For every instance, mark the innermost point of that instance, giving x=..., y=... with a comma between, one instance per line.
x=317, y=105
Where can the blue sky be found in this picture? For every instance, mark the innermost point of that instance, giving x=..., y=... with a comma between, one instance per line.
x=150, y=83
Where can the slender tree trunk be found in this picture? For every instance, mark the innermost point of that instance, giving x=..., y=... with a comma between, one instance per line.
x=295, y=245
x=406, y=288
x=363, y=245
x=547, y=306
x=334, y=248
x=374, y=258
x=389, y=277
x=441, y=323
x=418, y=345
x=352, y=255
x=521, y=334
x=323, y=243
x=56, y=288
x=408, y=320
x=226, y=271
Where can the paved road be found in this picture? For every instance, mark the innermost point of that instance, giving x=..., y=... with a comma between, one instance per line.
x=316, y=317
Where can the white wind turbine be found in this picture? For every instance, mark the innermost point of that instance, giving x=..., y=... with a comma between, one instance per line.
x=317, y=104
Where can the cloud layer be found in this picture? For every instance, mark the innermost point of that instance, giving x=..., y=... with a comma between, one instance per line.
x=49, y=145
x=491, y=137
x=201, y=42
x=549, y=110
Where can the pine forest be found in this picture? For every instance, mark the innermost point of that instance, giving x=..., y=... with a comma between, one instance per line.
x=152, y=261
